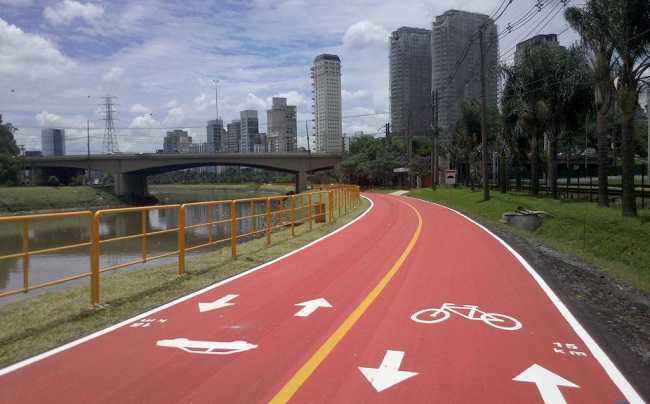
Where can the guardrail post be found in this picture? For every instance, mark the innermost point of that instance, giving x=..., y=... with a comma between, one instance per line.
x=143, y=241
x=309, y=210
x=25, y=251
x=94, y=260
x=254, y=217
x=181, y=240
x=210, y=220
x=338, y=194
x=233, y=228
x=293, y=215
x=330, y=203
x=269, y=221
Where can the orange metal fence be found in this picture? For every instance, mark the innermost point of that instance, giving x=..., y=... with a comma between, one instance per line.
x=266, y=215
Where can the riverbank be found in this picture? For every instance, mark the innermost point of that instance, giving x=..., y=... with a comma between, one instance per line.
x=44, y=322
x=38, y=199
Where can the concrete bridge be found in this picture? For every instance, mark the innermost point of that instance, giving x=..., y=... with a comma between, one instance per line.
x=130, y=171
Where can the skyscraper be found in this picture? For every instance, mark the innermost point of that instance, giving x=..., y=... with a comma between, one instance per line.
x=249, y=130
x=455, y=38
x=215, y=133
x=326, y=79
x=410, y=81
x=53, y=142
x=282, y=133
x=233, y=135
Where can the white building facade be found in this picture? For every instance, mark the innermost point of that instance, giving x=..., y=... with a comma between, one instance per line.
x=326, y=92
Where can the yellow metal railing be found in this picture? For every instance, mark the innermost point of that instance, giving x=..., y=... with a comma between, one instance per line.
x=266, y=215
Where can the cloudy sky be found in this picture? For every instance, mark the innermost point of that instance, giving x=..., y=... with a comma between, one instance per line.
x=58, y=57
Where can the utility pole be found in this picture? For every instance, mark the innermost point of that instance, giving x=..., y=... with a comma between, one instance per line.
x=409, y=149
x=308, y=146
x=434, y=140
x=387, y=126
x=486, y=189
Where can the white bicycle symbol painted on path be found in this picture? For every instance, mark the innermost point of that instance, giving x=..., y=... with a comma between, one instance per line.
x=438, y=315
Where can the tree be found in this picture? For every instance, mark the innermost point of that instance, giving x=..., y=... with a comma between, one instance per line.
x=590, y=22
x=628, y=30
x=9, y=163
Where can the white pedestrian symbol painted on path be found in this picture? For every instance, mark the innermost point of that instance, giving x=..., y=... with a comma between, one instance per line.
x=470, y=312
x=207, y=347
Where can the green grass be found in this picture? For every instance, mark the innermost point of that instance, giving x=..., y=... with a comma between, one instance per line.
x=41, y=323
x=598, y=236
x=17, y=199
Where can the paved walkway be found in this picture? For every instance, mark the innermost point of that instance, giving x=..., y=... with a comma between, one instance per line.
x=411, y=303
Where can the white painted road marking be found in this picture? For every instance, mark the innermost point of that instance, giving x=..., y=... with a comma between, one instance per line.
x=311, y=306
x=207, y=347
x=217, y=304
x=388, y=373
x=548, y=383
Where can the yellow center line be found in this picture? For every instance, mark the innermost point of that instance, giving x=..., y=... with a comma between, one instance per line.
x=299, y=378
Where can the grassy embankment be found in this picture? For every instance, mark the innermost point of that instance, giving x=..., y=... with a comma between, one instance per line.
x=600, y=237
x=24, y=199
x=47, y=321
x=27, y=199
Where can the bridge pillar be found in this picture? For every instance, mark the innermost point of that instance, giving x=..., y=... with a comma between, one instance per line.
x=132, y=186
x=301, y=181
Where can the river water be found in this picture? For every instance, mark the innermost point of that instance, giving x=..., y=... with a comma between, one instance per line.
x=47, y=234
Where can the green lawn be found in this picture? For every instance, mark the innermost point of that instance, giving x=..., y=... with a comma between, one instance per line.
x=599, y=236
x=43, y=322
x=16, y=199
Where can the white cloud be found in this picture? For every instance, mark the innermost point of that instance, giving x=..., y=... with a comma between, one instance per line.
x=254, y=102
x=143, y=121
x=175, y=117
x=69, y=10
x=365, y=34
x=113, y=74
x=139, y=109
x=30, y=56
x=202, y=102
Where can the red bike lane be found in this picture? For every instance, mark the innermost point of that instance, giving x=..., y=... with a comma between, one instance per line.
x=538, y=356
x=256, y=316
x=403, y=257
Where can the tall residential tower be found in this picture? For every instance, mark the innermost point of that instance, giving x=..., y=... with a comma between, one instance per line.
x=53, y=142
x=455, y=53
x=326, y=79
x=410, y=81
x=249, y=130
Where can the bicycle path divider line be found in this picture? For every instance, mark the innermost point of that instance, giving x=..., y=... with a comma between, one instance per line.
x=290, y=388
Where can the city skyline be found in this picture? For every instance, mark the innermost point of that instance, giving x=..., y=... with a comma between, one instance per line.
x=53, y=75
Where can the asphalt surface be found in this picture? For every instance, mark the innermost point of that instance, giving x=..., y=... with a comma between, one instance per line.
x=412, y=302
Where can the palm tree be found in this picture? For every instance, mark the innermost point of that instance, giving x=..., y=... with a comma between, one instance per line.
x=629, y=32
x=590, y=22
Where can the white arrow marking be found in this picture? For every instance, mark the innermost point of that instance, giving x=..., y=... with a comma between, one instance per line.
x=547, y=383
x=388, y=373
x=206, y=347
x=217, y=304
x=311, y=306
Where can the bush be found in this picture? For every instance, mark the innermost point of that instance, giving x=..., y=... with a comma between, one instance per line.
x=53, y=181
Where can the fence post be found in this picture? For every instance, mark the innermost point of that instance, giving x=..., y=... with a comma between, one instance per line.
x=25, y=251
x=309, y=209
x=269, y=221
x=181, y=240
x=94, y=259
x=254, y=217
x=233, y=229
x=293, y=215
x=210, y=220
x=143, y=240
x=330, y=203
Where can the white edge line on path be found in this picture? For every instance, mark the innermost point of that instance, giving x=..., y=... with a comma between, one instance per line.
x=96, y=334
x=612, y=371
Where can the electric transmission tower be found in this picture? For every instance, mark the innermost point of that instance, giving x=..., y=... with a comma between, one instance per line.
x=109, y=143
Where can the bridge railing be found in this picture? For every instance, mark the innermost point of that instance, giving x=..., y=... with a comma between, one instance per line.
x=223, y=223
